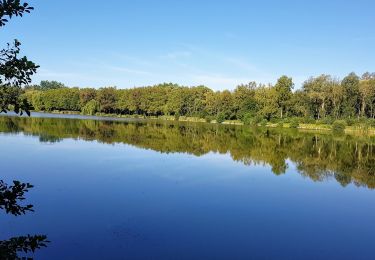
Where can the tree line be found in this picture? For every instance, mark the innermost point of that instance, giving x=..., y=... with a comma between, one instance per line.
x=321, y=97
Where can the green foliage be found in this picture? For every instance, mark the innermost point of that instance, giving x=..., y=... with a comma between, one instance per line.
x=351, y=104
x=321, y=98
x=283, y=89
x=328, y=120
x=274, y=120
x=177, y=116
x=209, y=119
x=308, y=120
x=318, y=92
x=15, y=71
x=371, y=122
x=220, y=118
x=325, y=121
x=339, y=126
x=247, y=119
x=107, y=99
x=11, y=99
x=10, y=8
x=37, y=101
x=294, y=123
x=257, y=120
x=244, y=102
x=91, y=108
x=56, y=99
x=263, y=122
x=86, y=95
x=48, y=85
x=350, y=121
x=297, y=105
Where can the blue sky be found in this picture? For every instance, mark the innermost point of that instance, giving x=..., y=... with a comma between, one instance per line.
x=215, y=43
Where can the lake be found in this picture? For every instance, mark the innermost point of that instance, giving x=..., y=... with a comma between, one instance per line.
x=133, y=189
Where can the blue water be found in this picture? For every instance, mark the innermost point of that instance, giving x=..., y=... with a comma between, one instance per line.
x=118, y=201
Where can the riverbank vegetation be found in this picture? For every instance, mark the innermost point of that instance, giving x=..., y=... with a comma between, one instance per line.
x=322, y=101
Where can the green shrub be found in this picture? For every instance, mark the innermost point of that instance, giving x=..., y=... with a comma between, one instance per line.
x=371, y=122
x=308, y=120
x=91, y=108
x=247, y=119
x=264, y=122
x=280, y=124
x=362, y=121
x=177, y=116
x=220, y=118
x=327, y=120
x=208, y=119
x=365, y=127
x=257, y=119
x=274, y=120
x=339, y=126
x=350, y=121
x=294, y=123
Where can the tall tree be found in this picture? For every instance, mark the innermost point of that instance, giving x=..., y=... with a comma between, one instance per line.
x=244, y=100
x=267, y=101
x=107, y=99
x=318, y=91
x=47, y=85
x=283, y=89
x=351, y=102
x=298, y=105
x=86, y=95
x=367, y=94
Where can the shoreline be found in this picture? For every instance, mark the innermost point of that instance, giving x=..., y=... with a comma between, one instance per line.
x=349, y=130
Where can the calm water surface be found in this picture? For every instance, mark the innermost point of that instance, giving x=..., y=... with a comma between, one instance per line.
x=162, y=190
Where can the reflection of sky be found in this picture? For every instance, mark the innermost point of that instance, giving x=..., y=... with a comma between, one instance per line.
x=101, y=201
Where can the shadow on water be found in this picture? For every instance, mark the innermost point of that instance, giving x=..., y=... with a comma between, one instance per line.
x=318, y=156
x=11, y=197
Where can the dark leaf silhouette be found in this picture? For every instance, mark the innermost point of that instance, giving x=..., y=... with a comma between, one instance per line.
x=23, y=244
x=11, y=196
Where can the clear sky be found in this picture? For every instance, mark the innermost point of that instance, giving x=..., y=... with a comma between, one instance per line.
x=215, y=43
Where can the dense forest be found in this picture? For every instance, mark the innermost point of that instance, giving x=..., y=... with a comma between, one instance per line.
x=320, y=98
x=316, y=156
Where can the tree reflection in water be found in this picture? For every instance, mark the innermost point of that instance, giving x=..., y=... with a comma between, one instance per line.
x=318, y=156
x=10, y=201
